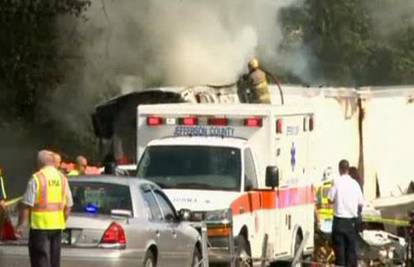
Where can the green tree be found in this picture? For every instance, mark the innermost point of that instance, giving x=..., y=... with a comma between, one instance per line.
x=30, y=61
x=346, y=45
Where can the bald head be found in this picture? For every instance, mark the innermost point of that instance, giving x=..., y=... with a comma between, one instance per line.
x=81, y=164
x=45, y=158
x=81, y=160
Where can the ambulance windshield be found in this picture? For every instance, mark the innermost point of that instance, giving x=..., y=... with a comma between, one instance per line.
x=192, y=167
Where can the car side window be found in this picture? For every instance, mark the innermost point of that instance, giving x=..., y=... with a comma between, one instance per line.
x=249, y=169
x=166, y=206
x=151, y=204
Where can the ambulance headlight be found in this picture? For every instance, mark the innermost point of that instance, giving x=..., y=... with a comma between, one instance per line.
x=222, y=216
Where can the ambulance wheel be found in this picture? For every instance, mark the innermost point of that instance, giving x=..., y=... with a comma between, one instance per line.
x=298, y=241
x=149, y=260
x=244, y=255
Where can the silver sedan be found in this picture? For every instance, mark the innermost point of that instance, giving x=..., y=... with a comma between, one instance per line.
x=118, y=222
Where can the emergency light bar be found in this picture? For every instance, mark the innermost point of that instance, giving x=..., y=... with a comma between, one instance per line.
x=253, y=122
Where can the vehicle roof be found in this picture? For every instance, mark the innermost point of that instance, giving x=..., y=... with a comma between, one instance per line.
x=110, y=179
x=239, y=110
x=203, y=141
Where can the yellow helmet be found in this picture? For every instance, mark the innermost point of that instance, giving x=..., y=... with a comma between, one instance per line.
x=253, y=63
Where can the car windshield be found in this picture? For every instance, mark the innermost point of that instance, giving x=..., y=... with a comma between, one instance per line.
x=192, y=167
x=99, y=198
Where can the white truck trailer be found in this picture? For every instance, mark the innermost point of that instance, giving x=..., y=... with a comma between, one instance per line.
x=244, y=169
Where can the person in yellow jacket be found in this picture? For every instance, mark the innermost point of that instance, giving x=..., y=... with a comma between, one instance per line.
x=80, y=168
x=47, y=202
x=3, y=195
x=257, y=82
x=324, y=209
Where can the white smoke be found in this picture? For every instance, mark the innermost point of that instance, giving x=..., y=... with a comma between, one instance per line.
x=127, y=45
x=179, y=42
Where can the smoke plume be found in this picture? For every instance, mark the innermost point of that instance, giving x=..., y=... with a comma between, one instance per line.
x=179, y=42
x=127, y=45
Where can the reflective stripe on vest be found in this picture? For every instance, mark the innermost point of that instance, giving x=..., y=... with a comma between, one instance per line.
x=47, y=212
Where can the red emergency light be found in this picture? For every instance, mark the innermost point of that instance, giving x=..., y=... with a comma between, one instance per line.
x=189, y=121
x=154, y=121
x=218, y=121
x=279, y=126
x=253, y=122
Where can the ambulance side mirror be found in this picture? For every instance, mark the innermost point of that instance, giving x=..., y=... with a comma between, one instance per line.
x=272, y=176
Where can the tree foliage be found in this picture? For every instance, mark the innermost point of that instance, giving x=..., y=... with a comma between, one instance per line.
x=30, y=61
x=343, y=37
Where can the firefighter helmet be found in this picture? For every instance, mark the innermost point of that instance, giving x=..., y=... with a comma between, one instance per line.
x=253, y=64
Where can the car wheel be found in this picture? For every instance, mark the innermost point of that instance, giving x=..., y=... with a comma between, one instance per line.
x=244, y=258
x=196, y=262
x=149, y=260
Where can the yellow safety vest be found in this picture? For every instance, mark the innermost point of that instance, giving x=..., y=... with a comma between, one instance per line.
x=3, y=194
x=324, y=208
x=74, y=173
x=48, y=210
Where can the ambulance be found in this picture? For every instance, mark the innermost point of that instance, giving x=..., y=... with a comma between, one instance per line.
x=243, y=169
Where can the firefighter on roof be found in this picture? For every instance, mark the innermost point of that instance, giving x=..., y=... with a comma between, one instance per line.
x=257, y=82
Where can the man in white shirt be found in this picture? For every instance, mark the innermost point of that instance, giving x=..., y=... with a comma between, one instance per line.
x=347, y=198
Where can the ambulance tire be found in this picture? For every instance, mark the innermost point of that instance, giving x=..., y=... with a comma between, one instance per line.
x=244, y=253
x=298, y=241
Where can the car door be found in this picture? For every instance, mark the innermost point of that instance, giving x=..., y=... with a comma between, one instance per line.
x=160, y=233
x=179, y=245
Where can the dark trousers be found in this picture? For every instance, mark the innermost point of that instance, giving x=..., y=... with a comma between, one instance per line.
x=44, y=248
x=344, y=238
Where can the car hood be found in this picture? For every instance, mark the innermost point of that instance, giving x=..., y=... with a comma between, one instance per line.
x=201, y=200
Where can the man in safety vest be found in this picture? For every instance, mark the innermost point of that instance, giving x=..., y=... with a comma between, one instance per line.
x=3, y=198
x=324, y=209
x=47, y=201
x=80, y=168
x=3, y=195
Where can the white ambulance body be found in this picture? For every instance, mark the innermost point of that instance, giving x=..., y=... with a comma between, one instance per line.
x=245, y=169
